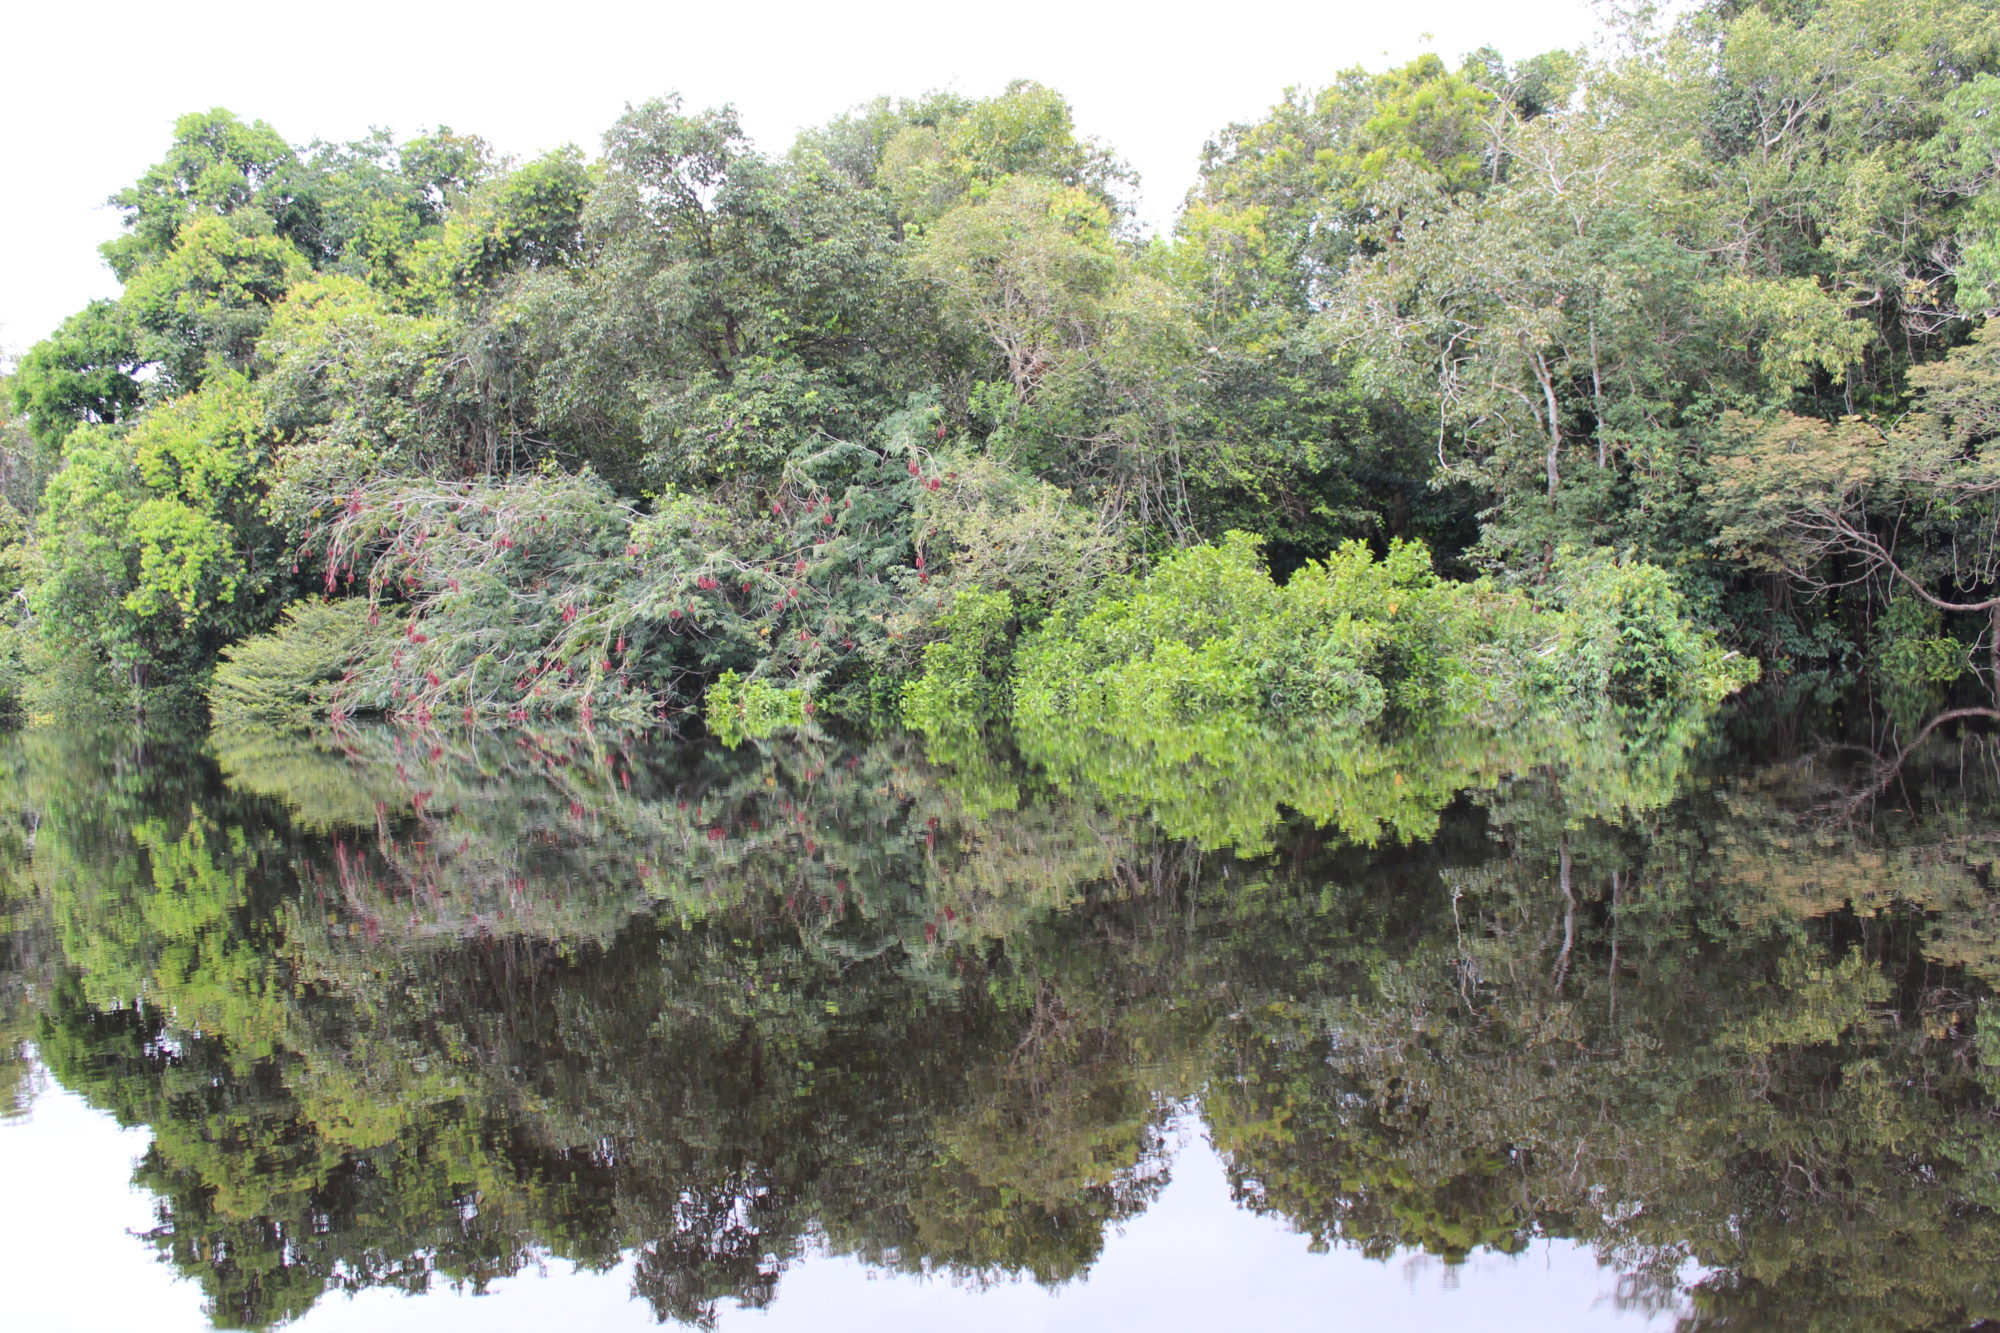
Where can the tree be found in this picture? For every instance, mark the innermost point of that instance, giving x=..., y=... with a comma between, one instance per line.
x=951, y=152
x=217, y=167
x=1296, y=447
x=155, y=549
x=204, y=304
x=1964, y=159
x=731, y=313
x=1092, y=353
x=1910, y=507
x=86, y=371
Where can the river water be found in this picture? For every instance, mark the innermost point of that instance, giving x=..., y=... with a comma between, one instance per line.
x=1674, y=1027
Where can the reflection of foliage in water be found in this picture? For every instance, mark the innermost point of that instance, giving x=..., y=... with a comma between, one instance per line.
x=1234, y=784
x=26, y=949
x=460, y=1004
x=1689, y=1037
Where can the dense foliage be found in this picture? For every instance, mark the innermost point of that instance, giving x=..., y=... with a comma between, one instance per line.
x=1357, y=568
x=1703, y=306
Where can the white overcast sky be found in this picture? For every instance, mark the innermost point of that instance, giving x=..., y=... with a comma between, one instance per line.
x=91, y=90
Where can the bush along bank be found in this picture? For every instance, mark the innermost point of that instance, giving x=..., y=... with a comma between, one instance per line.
x=888, y=584
x=1209, y=641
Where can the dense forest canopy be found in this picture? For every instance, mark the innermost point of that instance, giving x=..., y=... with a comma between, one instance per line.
x=1677, y=346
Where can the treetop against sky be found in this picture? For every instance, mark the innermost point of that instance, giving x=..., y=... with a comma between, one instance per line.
x=114, y=77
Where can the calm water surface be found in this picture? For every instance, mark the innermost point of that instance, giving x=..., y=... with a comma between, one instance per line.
x=1673, y=1027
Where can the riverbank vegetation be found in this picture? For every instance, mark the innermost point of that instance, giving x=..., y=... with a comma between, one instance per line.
x=1463, y=390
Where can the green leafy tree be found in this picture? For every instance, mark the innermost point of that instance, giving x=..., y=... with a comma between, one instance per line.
x=729, y=317
x=204, y=304
x=1093, y=355
x=155, y=548
x=217, y=167
x=1906, y=510
x=85, y=372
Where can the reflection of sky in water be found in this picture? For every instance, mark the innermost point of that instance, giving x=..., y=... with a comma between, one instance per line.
x=1192, y=1260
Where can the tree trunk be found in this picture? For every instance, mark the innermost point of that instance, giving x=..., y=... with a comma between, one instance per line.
x=1993, y=652
x=1548, y=384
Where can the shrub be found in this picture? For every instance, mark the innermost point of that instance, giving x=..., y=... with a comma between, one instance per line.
x=1004, y=531
x=1208, y=630
x=1619, y=632
x=1164, y=644
x=737, y=709
x=1911, y=648
x=547, y=595
x=964, y=682
x=1208, y=633
x=286, y=676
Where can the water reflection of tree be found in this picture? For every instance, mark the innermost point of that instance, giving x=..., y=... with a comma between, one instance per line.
x=1751, y=1047
x=27, y=950
x=717, y=1009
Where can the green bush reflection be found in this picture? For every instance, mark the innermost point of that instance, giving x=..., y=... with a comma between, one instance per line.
x=404, y=1010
